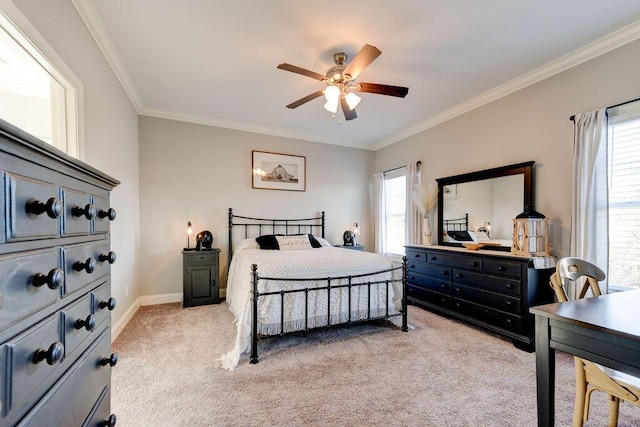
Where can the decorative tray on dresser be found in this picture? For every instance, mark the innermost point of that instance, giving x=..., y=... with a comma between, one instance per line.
x=490, y=289
x=55, y=287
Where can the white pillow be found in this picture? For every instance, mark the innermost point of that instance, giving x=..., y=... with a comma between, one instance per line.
x=289, y=243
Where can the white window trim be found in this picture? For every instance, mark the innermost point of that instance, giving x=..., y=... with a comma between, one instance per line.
x=37, y=46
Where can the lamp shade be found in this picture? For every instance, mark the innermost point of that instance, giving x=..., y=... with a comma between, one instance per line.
x=530, y=234
x=352, y=100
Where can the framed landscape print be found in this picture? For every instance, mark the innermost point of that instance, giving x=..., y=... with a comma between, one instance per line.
x=273, y=171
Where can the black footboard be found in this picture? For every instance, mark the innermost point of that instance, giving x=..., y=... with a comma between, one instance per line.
x=255, y=278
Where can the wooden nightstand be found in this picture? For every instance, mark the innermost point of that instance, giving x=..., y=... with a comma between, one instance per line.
x=201, y=284
x=354, y=247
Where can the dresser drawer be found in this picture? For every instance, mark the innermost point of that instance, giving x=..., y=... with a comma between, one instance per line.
x=84, y=264
x=87, y=381
x=502, y=268
x=79, y=322
x=33, y=209
x=103, y=303
x=484, y=281
x=32, y=356
x=430, y=282
x=78, y=213
x=416, y=255
x=29, y=282
x=490, y=299
x=101, y=416
x=437, y=271
x=104, y=214
x=419, y=295
x=459, y=261
x=497, y=318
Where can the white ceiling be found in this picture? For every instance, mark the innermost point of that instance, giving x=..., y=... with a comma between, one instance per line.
x=214, y=62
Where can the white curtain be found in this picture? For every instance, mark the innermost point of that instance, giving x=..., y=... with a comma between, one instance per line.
x=589, y=205
x=413, y=218
x=379, y=213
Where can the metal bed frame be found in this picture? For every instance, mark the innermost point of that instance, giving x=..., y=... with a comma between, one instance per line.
x=457, y=224
x=299, y=226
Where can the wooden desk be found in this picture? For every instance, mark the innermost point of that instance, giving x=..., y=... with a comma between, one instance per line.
x=603, y=329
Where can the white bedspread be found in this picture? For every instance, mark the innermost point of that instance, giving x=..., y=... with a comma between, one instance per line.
x=304, y=264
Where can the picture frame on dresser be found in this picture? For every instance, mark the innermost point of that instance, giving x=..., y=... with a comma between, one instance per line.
x=275, y=171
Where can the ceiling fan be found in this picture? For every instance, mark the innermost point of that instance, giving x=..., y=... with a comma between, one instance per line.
x=340, y=81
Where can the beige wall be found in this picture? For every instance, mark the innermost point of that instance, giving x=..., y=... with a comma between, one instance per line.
x=194, y=172
x=111, y=133
x=531, y=124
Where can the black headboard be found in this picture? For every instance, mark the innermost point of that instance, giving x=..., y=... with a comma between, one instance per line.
x=254, y=227
x=458, y=224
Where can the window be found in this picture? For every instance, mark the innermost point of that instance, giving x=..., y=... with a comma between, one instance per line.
x=34, y=95
x=395, y=189
x=623, y=166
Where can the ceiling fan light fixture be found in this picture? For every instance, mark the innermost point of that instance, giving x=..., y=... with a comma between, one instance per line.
x=331, y=106
x=332, y=94
x=352, y=100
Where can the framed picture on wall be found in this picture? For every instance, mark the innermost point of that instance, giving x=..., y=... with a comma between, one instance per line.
x=274, y=171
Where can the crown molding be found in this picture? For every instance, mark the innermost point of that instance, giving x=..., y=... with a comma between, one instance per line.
x=92, y=21
x=592, y=50
x=245, y=127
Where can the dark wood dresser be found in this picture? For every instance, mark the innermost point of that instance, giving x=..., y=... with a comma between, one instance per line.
x=490, y=289
x=55, y=287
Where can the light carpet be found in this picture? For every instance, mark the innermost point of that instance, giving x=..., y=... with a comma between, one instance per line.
x=441, y=373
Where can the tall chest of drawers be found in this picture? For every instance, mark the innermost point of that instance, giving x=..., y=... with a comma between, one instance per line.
x=55, y=287
x=490, y=289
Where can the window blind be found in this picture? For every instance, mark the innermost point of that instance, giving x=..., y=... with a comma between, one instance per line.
x=623, y=150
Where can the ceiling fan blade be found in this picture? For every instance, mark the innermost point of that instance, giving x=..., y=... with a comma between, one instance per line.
x=304, y=100
x=398, y=91
x=365, y=57
x=348, y=114
x=304, y=72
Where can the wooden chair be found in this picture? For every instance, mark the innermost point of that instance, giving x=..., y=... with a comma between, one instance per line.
x=591, y=376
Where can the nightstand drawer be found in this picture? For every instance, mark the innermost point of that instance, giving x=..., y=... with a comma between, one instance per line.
x=200, y=257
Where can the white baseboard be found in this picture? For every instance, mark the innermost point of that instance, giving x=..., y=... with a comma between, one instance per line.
x=124, y=320
x=161, y=299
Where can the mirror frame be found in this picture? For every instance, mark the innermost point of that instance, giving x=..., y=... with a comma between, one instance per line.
x=525, y=168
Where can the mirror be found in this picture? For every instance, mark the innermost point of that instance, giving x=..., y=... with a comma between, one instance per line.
x=479, y=207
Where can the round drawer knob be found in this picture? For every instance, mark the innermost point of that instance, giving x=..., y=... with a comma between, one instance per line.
x=501, y=268
x=53, y=207
x=111, y=422
x=89, y=323
x=89, y=211
x=111, y=360
x=53, y=355
x=53, y=279
x=89, y=265
x=110, y=257
x=109, y=213
x=109, y=304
